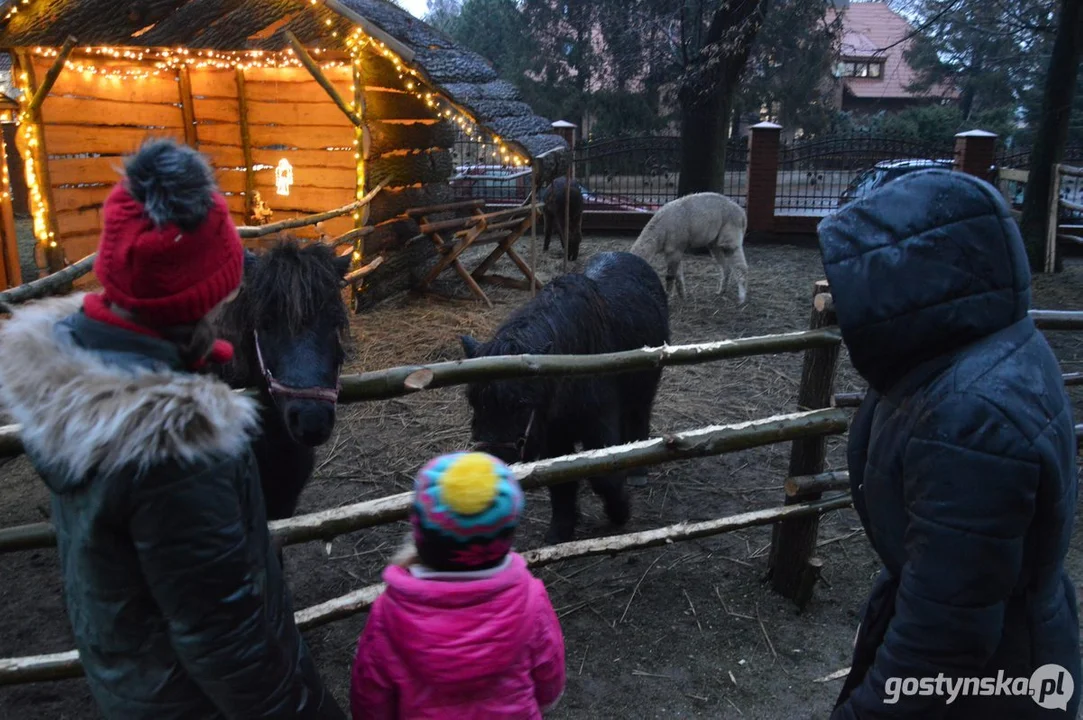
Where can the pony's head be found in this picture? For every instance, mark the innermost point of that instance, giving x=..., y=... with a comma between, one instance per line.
x=508, y=416
x=290, y=326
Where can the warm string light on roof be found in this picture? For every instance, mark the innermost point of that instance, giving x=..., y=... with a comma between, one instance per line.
x=14, y=10
x=415, y=84
x=169, y=60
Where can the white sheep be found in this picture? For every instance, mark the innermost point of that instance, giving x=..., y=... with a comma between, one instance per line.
x=697, y=221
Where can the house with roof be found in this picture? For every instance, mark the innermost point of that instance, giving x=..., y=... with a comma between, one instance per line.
x=336, y=96
x=872, y=74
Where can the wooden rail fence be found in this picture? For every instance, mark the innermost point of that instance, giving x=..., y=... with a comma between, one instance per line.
x=794, y=570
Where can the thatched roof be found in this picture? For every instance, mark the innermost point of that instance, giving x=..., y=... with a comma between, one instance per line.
x=230, y=25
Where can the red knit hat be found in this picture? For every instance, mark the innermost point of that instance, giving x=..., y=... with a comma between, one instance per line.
x=169, y=251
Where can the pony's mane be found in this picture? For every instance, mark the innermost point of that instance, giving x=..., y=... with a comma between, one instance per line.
x=560, y=319
x=293, y=283
x=564, y=318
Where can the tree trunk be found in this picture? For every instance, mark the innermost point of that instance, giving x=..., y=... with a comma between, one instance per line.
x=708, y=91
x=1051, y=135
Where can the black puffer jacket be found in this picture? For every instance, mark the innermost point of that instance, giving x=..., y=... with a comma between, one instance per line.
x=962, y=457
x=177, y=602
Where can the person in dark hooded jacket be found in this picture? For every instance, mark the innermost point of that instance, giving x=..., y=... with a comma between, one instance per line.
x=176, y=600
x=962, y=459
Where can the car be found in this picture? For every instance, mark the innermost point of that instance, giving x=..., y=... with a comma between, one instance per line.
x=884, y=172
x=495, y=184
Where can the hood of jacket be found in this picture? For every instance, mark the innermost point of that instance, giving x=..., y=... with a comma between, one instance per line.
x=94, y=402
x=460, y=632
x=923, y=266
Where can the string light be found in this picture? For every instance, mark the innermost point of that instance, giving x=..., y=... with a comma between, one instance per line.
x=166, y=61
x=416, y=85
x=161, y=61
x=14, y=10
x=28, y=131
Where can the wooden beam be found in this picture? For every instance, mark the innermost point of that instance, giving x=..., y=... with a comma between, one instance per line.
x=317, y=74
x=54, y=256
x=184, y=79
x=1051, y=226
x=246, y=147
x=9, y=243
x=50, y=76
x=255, y=231
x=371, y=29
x=48, y=285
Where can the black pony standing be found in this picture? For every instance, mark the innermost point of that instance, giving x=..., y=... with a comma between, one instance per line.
x=616, y=303
x=289, y=326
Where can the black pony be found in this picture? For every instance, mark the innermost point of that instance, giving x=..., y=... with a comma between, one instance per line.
x=616, y=303
x=289, y=325
x=553, y=213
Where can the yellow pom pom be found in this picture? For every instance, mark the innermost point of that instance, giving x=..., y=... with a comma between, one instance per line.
x=470, y=484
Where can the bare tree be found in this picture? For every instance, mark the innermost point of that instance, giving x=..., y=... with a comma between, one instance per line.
x=708, y=89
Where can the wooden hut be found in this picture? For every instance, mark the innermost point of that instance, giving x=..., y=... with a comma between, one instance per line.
x=302, y=106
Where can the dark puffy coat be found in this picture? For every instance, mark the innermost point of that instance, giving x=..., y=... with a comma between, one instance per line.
x=176, y=600
x=962, y=457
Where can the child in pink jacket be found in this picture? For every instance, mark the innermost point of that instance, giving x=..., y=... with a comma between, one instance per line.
x=463, y=631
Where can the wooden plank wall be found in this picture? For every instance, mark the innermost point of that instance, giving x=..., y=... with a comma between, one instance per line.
x=90, y=121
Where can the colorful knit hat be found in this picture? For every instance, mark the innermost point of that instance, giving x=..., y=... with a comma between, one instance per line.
x=465, y=511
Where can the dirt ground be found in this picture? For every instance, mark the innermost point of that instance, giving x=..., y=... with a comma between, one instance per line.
x=688, y=631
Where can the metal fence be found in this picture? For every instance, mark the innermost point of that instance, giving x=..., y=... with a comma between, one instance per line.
x=1013, y=164
x=642, y=174
x=627, y=174
x=815, y=177
x=480, y=172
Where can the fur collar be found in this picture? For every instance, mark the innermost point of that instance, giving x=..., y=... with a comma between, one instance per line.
x=79, y=413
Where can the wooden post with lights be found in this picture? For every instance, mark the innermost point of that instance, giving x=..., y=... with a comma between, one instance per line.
x=10, y=272
x=35, y=156
x=362, y=149
x=567, y=131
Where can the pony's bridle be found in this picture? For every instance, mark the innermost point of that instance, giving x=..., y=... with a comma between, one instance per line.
x=519, y=445
x=277, y=389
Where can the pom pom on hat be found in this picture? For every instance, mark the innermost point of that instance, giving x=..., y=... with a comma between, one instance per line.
x=169, y=250
x=174, y=183
x=465, y=511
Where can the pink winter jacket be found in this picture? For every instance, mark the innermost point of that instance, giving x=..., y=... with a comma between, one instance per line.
x=487, y=649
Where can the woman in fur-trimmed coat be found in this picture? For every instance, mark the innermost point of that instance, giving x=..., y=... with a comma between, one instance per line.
x=176, y=600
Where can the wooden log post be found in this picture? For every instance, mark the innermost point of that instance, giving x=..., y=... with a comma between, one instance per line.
x=188, y=115
x=317, y=75
x=246, y=147
x=793, y=542
x=11, y=274
x=362, y=148
x=39, y=155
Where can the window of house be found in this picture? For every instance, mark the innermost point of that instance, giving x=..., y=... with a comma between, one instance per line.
x=861, y=69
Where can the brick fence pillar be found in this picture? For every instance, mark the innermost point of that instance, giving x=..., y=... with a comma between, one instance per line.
x=975, y=153
x=762, y=176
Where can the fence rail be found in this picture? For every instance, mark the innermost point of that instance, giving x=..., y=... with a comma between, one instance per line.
x=406, y=380
x=795, y=523
x=66, y=665
x=700, y=442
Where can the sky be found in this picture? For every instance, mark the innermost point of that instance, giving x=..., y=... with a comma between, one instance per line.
x=416, y=7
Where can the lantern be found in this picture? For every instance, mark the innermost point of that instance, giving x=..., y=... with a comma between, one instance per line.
x=283, y=177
